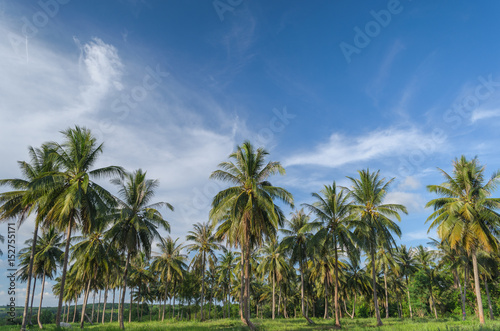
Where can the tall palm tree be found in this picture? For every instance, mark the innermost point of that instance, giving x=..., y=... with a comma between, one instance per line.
x=273, y=264
x=296, y=241
x=77, y=198
x=357, y=279
x=322, y=270
x=226, y=267
x=465, y=213
x=375, y=227
x=333, y=209
x=205, y=243
x=386, y=262
x=425, y=258
x=246, y=211
x=26, y=199
x=137, y=220
x=455, y=259
x=407, y=265
x=170, y=263
x=488, y=264
x=91, y=258
x=48, y=255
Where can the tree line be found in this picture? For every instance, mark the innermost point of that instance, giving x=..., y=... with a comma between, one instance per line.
x=337, y=254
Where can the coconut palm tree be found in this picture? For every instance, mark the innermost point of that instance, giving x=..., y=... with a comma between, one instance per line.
x=407, y=265
x=91, y=258
x=426, y=260
x=357, y=279
x=25, y=199
x=296, y=242
x=386, y=262
x=205, y=243
x=76, y=197
x=137, y=221
x=322, y=266
x=374, y=227
x=48, y=255
x=226, y=267
x=247, y=212
x=272, y=263
x=170, y=263
x=489, y=266
x=465, y=215
x=333, y=210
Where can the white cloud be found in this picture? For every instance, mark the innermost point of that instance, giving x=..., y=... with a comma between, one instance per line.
x=481, y=114
x=341, y=150
x=409, y=183
x=412, y=201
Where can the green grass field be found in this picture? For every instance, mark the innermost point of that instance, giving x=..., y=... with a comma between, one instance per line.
x=420, y=324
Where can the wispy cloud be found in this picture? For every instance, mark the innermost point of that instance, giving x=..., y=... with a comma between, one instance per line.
x=379, y=81
x=482, y=114
x=341, y=149
x=413, y=202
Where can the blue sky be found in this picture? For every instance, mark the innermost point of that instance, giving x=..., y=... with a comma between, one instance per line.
x=328, y=87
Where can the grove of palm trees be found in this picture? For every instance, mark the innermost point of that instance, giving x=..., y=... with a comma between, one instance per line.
x=335, y=262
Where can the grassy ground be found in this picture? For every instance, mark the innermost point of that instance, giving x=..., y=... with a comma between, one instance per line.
x=421, y=324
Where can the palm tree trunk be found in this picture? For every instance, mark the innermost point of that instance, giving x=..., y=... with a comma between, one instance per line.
x=98, y=307
x=490, y=307
x=304, y=309
x=142, y=306
x=165, y=302
x=336, y=298
x=304, y=313
x=279, y=300
x=28, y=281
x=112, y=306
x=69, y=308
x=433, y=304
x=93, y=306
x=74, y=313
x=63, y=276
x=105, y=301
x=122, y=301
x=274, y=294
x=462, y=298
x=325, y=316
x=173, y=306
x=477, y=288
x=130, y=310
x=246, y=294
x=84, y=305
x=354, y=303
x=374, y=284
x=40, y=305
x=242, y=289
x=386, y=294
x=32, y=298
x=138, y=300
x=409, y=301
x=202, y=286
